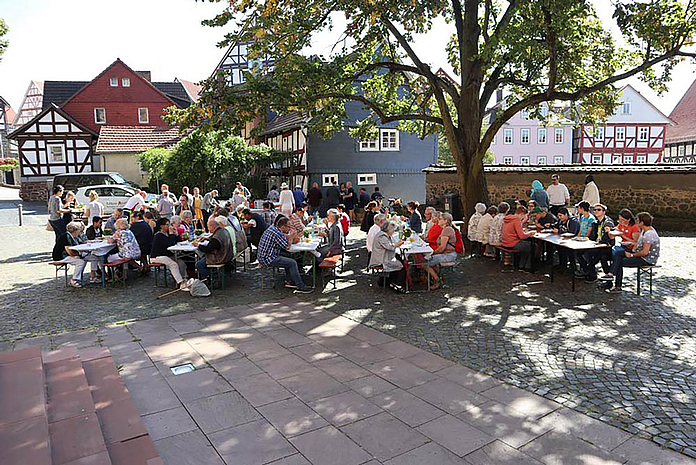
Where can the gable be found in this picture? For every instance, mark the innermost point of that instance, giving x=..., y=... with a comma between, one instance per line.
x=51, y=121
x=642, y=110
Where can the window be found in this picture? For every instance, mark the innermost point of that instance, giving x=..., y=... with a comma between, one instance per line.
x=544, y=111
x=558, y=160
x=389, y=139
x=597, y=159
x=56, y=152
x=507, y=160
x=113, y=82
x=558, y=136
x=369, y=145
x=541, y=135
x=628, y=159
x=681, y=150
x=365, y=179
x=125, y=82
x=599, y=133
x=524, y=136
x=620, y=134
x=507, y=137
x=643, y=133
x=143, y=116
x=328, y=179
x=641, y=159
x=541, y=160
x=616, y=160
x=495, y=139
x=100, y=115
x=626, y=108
x=524, y=161
x=525, y=113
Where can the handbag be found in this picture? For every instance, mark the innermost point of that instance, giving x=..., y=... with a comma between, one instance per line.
x=49, y=227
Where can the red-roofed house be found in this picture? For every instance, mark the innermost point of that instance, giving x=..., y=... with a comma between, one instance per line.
x=680, y=146
x=121, y=103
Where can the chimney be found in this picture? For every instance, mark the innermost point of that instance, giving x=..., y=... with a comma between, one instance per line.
x=498, y=95
x=145, y=74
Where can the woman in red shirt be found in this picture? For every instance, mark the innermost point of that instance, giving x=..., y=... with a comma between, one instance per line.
x=628, y=228
x=434, y=231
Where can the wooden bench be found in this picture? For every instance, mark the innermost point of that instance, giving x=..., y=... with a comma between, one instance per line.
x=217, y=272
x=378, y=270
x=160, y=267
x=511, y=253
x=643, y=270
x=330, y=263
x=114, y=266
x=61, y=266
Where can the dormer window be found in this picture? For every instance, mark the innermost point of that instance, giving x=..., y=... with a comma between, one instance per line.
x=125, y=82
x=113, y=82
x=143, y=116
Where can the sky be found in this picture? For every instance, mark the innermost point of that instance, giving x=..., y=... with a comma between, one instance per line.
x=77, y=39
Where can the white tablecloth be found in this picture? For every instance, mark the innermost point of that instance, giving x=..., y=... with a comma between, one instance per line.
x=184, y=247
x=304, y=246
x=97, y=248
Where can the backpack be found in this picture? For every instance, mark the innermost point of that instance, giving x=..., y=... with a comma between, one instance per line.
x=459, y=245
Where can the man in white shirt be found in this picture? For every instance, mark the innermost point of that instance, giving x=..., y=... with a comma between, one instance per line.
x=135, y=203
x=559, y=196
x=374, y=230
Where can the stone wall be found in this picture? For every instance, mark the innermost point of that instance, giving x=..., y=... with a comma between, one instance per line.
x=670, y=196
x=33, y=191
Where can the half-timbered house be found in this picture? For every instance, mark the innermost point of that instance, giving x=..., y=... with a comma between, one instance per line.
x=681, y=137
x=31, y=104
x=8, y=149
x=393, y=160
x=634, y=134
x=52, y=143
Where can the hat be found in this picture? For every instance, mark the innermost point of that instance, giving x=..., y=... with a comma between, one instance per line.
x=537, y=210
x=600, y=205
x=284, y=185
x=297, y=186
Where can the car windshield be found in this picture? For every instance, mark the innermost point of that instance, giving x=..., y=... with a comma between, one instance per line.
x=118, y=178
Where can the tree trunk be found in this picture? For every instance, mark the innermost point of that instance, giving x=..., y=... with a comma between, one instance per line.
x=472, y=182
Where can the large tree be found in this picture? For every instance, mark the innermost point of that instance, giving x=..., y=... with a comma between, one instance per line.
x=3, y=42
x=535, y=51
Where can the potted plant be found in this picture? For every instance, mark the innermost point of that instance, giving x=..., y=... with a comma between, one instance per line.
x=198, y=232
x=107, y=232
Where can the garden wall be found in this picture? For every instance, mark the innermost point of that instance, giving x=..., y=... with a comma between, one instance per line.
x=666, y=191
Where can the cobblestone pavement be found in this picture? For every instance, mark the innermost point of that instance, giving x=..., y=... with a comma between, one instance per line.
x=627, y=360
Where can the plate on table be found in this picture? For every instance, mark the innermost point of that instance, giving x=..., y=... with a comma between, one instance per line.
x=567, y=235
x=531, y=226
x=582, y=239
x=615, y=233
x=546, y=230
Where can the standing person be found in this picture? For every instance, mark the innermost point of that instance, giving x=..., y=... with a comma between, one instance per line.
x=93, y=208
x=514, y=236
x=585, y=218
x=591, y=193
x=344, y=219
x=364, y=198
x=183, y=205
x=559, y=196
x=287, y=200
x=274, y=242
x=55, y=211
x=369, y=217
x=241, y=195
x=69, y=205
x=196, y=206
x=299, y=195
x=163, y=239
x=273, y=194
x=208, y=205
x=350, y=200
x=314, y=198
x=165, y=206
x=217, y=251
x=164, y=189
x=189, y=197
x=539, y=195
x=376, y=195
x=62, y=252
x=255, y=226
x=333, y=196
x=135, y=203
x=647, y=252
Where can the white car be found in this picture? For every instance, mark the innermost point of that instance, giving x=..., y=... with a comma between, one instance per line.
x=110, y=195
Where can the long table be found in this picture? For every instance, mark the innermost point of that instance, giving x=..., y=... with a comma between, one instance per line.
x=569, y=243
x=98, y=249
x=307, y=247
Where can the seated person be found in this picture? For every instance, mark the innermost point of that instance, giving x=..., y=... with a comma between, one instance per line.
x=585, y=218
x=296, y=224
x=384, y=254
x=371, y=209
x=254, y=226
x=415, y=221
x=428, y=219
x=164, y=238
x=63, y=254
x=334, y=235
x=344, y=219
x=372, y=233
x=496, y=233
x=142, y=231
x=435, y=230
x=445, y=251
x=599, y=232
x=628, y=228
x=514, y=237
x=217, y=251
x=269, y=213
x=176, y=222
x=187, y=222
x=472, y=227
x=483, y=231
x=542, y=219
x=111, y=221
x=566, y=224
x=224, y=223
x=275, y=240
x=94, y=231
x=128, y=247
x=646, y=252
x=150, y=219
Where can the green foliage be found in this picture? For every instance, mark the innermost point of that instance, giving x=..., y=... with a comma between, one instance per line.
x=209, y=160
x=535, y=51
x=3, y=42
x=8, y=164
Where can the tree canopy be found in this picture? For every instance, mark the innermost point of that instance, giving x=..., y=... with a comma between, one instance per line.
x=209, y=160
x=535, y=51
x=3, y=42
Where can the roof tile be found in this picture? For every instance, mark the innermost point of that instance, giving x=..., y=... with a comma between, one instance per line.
x=136, y=139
